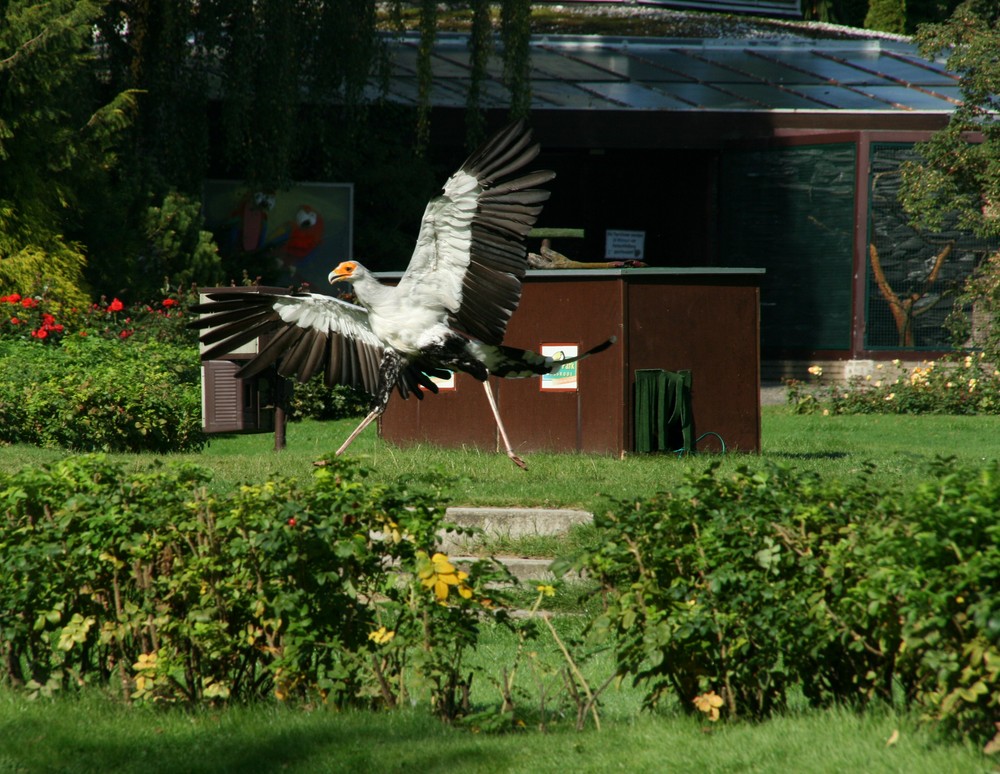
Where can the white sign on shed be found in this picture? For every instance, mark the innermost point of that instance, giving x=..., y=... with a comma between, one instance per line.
x=624, y=245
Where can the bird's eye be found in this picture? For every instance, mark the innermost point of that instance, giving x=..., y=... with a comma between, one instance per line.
x=306, y=218
x=263, y=201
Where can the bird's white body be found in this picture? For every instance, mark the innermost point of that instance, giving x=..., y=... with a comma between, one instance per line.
x=448, y=312
x=396, y=318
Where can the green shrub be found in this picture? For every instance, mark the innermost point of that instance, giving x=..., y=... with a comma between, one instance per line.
x=724, y=585
x=145, y=583
x=730, y=590
x=942, y=560
x=93, y=394
x=317, y=401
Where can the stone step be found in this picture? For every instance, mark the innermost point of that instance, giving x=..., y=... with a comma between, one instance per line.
x=523, y=569
x=512, y=523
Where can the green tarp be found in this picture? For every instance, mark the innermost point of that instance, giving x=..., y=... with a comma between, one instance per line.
x=663, y=418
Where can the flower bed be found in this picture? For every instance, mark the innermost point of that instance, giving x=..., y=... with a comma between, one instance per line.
x=963, y=384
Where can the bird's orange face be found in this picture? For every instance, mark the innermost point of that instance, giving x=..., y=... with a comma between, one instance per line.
x=344, y=271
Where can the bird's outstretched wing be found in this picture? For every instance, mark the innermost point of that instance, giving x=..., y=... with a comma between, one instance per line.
x=470, y=255
x=308, y=334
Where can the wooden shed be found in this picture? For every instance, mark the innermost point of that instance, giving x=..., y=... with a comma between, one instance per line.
x=700, y=320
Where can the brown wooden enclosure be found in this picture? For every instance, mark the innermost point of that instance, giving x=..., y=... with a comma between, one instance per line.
x=705, y=320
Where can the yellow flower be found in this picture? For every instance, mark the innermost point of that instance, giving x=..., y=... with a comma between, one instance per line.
x=147, y=661
x=548, y=591
x=897, y=362
x=815, y=370
x=381, y=636
x=437, y=573
x=709, y=703
x=890, y=396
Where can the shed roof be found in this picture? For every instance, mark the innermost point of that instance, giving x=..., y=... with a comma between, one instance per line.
x=577, y=72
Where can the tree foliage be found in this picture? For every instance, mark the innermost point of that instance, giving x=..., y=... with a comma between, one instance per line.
x=113, y=112
x=960, y=172
x=898, y=16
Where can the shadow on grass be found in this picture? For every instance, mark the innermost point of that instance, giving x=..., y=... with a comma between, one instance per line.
x=253, y=741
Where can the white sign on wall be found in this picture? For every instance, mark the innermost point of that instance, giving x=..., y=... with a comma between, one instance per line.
x=566, y=377
x=624, y=245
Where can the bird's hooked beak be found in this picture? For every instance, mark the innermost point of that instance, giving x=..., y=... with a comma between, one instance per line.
x=344, y=271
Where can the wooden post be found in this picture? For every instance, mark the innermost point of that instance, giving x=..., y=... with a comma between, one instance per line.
x=279, y=413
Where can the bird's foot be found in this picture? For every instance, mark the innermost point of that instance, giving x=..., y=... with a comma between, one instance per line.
x=517, y=460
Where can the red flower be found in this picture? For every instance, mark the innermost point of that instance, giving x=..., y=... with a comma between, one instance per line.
x=29, y=303
x=169, y=302
x=115, y=306
x=292, y=522
x=14, y=321
x=13, y=298
x=125, y=334
x=41, y=333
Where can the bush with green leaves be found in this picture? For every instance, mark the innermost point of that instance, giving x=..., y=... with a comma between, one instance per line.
x=941, y=561
x=147, y=584
x=93, y=394
x=733, y=589
x=317, y=401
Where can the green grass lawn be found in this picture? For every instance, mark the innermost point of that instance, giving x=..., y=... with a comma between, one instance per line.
x=89, y=733
x=834, y=446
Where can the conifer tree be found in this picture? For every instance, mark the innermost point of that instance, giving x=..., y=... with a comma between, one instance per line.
x=57, y=140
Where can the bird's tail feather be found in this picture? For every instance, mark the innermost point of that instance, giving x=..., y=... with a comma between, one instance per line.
x=513, y=363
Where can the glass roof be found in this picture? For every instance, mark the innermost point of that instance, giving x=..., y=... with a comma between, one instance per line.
x=607, y=73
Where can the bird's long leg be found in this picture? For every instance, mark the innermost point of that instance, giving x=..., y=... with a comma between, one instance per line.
x=388, y=372
x=503, y=433
x=373, y=414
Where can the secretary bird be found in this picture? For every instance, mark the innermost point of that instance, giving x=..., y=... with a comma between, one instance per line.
x=449, y=311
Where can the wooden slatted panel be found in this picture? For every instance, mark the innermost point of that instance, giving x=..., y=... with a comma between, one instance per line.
x=222, y=397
